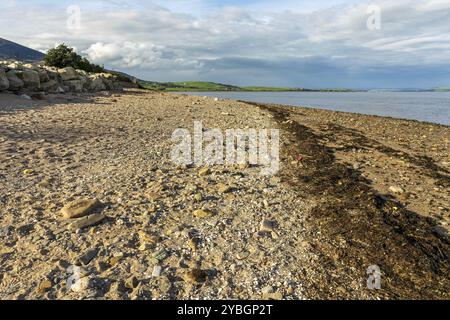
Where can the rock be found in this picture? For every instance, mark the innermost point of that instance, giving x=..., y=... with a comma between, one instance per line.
x=30, y=79
x=68, y=74
x=50, y=86
x=4, y=82
x=43, y=76
x=86, y=258
x=74, y=85
x=267, y=226
x=204, y=171
x=193, y=243
x=156, y=271
x=272, y=296
x=132, y=282
x=96, y=83
x=161, y=255
x=80, y=208
x=147, y=237
x=196, y=276
x=80, y=285
x=86, y=221
x=201, y=213
x=395, y=189
x=25, y=96
x=38, y=96
x=44, y=286
x=198, y=197
x=222, y=188
x=15, y=83
x=267, y=290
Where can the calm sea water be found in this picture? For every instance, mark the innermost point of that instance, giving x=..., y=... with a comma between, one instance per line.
x=422, y=106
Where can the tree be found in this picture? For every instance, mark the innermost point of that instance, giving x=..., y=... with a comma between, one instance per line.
x=63, y=56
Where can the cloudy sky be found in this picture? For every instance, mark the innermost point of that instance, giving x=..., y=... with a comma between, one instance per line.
x=333, y=43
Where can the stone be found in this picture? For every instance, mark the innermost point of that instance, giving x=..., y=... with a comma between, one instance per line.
x=96, y=84
x=30, y=79
x=202, y=213
x=267, y=226
x=396, y=190
x=38, y=96
x=87, y=257
x=204, y=171
x=43, y=76
x=25, y=96
x=161, y=255
x=267, y=290
x=272, y=296
x=44, y=286
x=74, y=85
x=50, y=86
x=198, y=197
x=68, y=74
x=156, y=271
x=148, y=238
x=222, y=188
x=132, y=282
x=4, y=82
x=80, y=285
x=86, y=221
x=80, y=208
x=15, y=83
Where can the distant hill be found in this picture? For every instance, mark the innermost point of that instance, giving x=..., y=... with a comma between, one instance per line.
x=212, y=86
x=12, y=50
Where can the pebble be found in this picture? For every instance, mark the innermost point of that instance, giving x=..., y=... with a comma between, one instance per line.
x=79, y=208
x=156, y=271
x=395, y=189
x=201, y=213
x=86, y=221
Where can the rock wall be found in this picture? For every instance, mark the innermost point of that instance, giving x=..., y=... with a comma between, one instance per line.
x=24, y=78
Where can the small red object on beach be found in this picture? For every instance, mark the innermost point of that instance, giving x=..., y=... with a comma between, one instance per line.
x=299, y=158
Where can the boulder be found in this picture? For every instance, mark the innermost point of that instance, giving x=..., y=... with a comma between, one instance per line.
x=74, y=85
x=15, y=83
x=30, y=79
x=96, y=84
x=50, y=86
x=43, y=76
x=4, y=82
x=68, y=74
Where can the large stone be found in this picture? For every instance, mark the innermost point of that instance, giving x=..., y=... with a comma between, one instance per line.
x=30, y=79
x=74, y=85
x=68, y=73
x=50, y=86
x=15, y=83
x=96, y=84
x=43, y=76
x=80, y=208
x=4, y=82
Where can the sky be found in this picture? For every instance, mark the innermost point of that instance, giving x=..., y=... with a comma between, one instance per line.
x=308, y=44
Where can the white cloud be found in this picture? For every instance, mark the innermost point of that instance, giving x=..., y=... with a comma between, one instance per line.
x=182, y=38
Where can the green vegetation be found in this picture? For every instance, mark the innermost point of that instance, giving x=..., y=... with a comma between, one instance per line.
x=64, y=56
x=212, y=86
x=442, y=89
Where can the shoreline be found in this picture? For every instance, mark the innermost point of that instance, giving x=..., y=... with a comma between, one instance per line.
x=310, y=232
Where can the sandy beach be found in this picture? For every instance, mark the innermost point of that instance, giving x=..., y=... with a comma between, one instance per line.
x=353, y=191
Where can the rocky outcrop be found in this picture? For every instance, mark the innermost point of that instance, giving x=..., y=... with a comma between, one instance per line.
x=20, y=78
x=4, y=82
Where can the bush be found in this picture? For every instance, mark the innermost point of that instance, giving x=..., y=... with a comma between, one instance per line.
x=64, y=56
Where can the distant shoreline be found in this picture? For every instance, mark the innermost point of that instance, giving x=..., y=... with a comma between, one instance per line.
x=199, y=86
